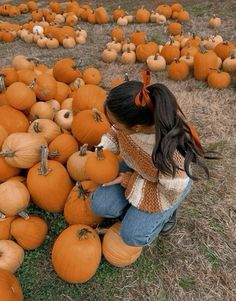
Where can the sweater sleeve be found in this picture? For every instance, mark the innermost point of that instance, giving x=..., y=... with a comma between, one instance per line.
x=142, y=193
x=110, y=141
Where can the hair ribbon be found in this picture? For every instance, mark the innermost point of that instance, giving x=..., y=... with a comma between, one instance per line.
x=142, y=98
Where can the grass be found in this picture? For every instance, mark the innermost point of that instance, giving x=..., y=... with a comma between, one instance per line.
x=187, y=264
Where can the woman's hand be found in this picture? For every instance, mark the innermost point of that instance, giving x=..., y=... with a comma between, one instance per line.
x=118, y=180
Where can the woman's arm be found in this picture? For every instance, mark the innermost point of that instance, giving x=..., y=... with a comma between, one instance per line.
x=109, y=141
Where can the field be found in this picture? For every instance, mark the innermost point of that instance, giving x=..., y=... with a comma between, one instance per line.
x=197, y=262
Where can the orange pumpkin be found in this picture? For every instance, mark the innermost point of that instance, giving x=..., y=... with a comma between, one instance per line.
x=143, y=51
x=116, y=251
x=10, y=288
x=92, y=76
x=63, y=91
x=138, y=37
x=101, y=15
x=88, y=126
x=224, y=49
x=164, y=10
x=178, y=70
x=219, y=79
x=45, y=87
x=10, y=76
x=102, y=166
x=77, y=208
x=170, y=52
x=88, y=97
x=41, y=181
x=79, y=262
x=5, y=227
x=29, y=232
x=62, y=147
x=117, y=34
x=117, y=13
x=65, y=71
x=41, y=110
x=3, y=135
x=45, y=128
x=12, y=256
x=32, y=5
x=26, y=76
x=7, y=171
x=142, y=15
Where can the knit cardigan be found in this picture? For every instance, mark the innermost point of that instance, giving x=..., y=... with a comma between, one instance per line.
x=145, y=187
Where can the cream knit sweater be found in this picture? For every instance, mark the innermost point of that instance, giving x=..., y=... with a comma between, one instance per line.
x=145, y=187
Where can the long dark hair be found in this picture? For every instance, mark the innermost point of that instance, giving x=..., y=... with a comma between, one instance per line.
x=171, y=129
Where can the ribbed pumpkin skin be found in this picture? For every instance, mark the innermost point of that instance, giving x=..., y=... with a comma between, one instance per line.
x=77, y=209
x=5, y=226
x=102, y=170
x=7, y=171
x=88, y=97
x=29, y=233
x=49, y=192
x=202, y=64
x=116, y=251
x=10, y=289
x=13, y=120
x=76, y=166
x=86, y=129
x=65, y=145
x=12, y=256
x=78, y=262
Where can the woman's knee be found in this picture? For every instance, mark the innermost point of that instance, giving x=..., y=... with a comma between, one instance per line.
x=133, y=238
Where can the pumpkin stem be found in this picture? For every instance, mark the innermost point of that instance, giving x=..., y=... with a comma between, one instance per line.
x=82, y=193
x=67, y=114
x=7, y=153
x=215, y=69
x=82, y=233
x=33, y=59
x=36, y=127
x=32, y=84
x=126, y=77
x=23, y=214
x=99, y=153
x=101, y=231
x=43, y=169
x=53, y=154
x=2, y=215
x=233, y=54
x=202, y=48
x=171, y=40
x=96, y=115
x=176, y=60
x=156, y=56
x=2, y=82
x=83, y=150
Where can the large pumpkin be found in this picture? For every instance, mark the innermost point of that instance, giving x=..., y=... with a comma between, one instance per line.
x=77, y=208
x=66, y=71
x=12, y=256
x=10, y=289
x=88, y=126
x=88, y=97
x=78, y=262
x=22, y=150
x=116, y=251
x=13, y=120
x=29, y=232
x=45, y=87
x=49, y=183
x=14, y=197
x=102, y=166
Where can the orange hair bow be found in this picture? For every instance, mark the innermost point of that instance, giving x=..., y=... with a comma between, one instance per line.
x=142, y=98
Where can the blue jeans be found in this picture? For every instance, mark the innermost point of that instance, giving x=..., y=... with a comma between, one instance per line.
x=138, y=227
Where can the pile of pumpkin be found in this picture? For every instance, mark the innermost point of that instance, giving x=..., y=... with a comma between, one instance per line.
x=181, y=54
x=46, y=115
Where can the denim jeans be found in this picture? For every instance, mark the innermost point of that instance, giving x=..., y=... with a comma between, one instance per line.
x=138, y=227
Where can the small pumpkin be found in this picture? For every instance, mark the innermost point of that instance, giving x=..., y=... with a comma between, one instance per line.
x=178, y=70
x=174, y=28
x=128, y=57
x=41, y=110
x=67, y=104
x=78, y=82
x=51, y=43
x=214, y=22
x=165, y=10
x=92, y=76
x=62, y=93
x=10, y=288
x=143, y=51
x=142, y=15
x=69, y=42
x=45, y=87
x=101, y=15
x=183, y=16
x=109, y=55
x=224, y=49
x=219, y=79
x=45, y=128
x=64, y=118
x=187, y=59
x=66, y=71
x=170, y=52
x=122, y=21
x=5, y=227
x=156, y=63
x=138, y=37
x=229, y=64
x=117, y=13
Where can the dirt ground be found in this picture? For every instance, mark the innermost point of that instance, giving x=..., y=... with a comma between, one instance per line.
x=197, y=262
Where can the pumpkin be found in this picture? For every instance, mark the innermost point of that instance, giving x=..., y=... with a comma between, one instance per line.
x=81, y=31
x=41, y=110
x=92, y=76
x=41, y=181
x=178, y=70
x=203, y=62
x=170, y=52
x=29, y=232
x=45, y=128
x=88, y=126
x=183, y=16
x=62, y=92
x=143, y=51
x=119, y=81
x=101, y=15
x=3, y=99
x=224, y=49
x=109, y=55
x=21, y=62
x=7, y=171
x=10, y=75
x=142, y=15
x=218, y=79
x=51, y=43
x=55, y=7
x=23, y=8
x=88, y=97
x=76, y=164
x=78, y=82
x=138, y=37
x=165, y=10
x=214, y=22
x=37, y=15
x=10, y=288
x=153, y=16
x=13, y=120
x=78, y=263
x=187, y=59
x=14, y=197
x=174, y=28
x=160, y=19
x=68, y=42
x=42, y=42
x=80, y=39
x=20, y=96
x=115, y=45
x=77, y=208
x=12, y=256
x=5, y=227
x=26, y=76
x=66, y=71
x=117, y=13
x=191, y=50
x=67, y=104
x=128, y=45
x=45, y=87
x=22, y=149
x=176, y=7
x=156, y=63
x=122, y=21
x=229, y=64
x=63, y=118
x=102, y=166
x=32, y=5
x=116, y=251
x=54, y=104
x=128, y=57
x=62, y=147
x=3, y=135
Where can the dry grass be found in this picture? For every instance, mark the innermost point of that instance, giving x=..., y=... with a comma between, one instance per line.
x=198, y=261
